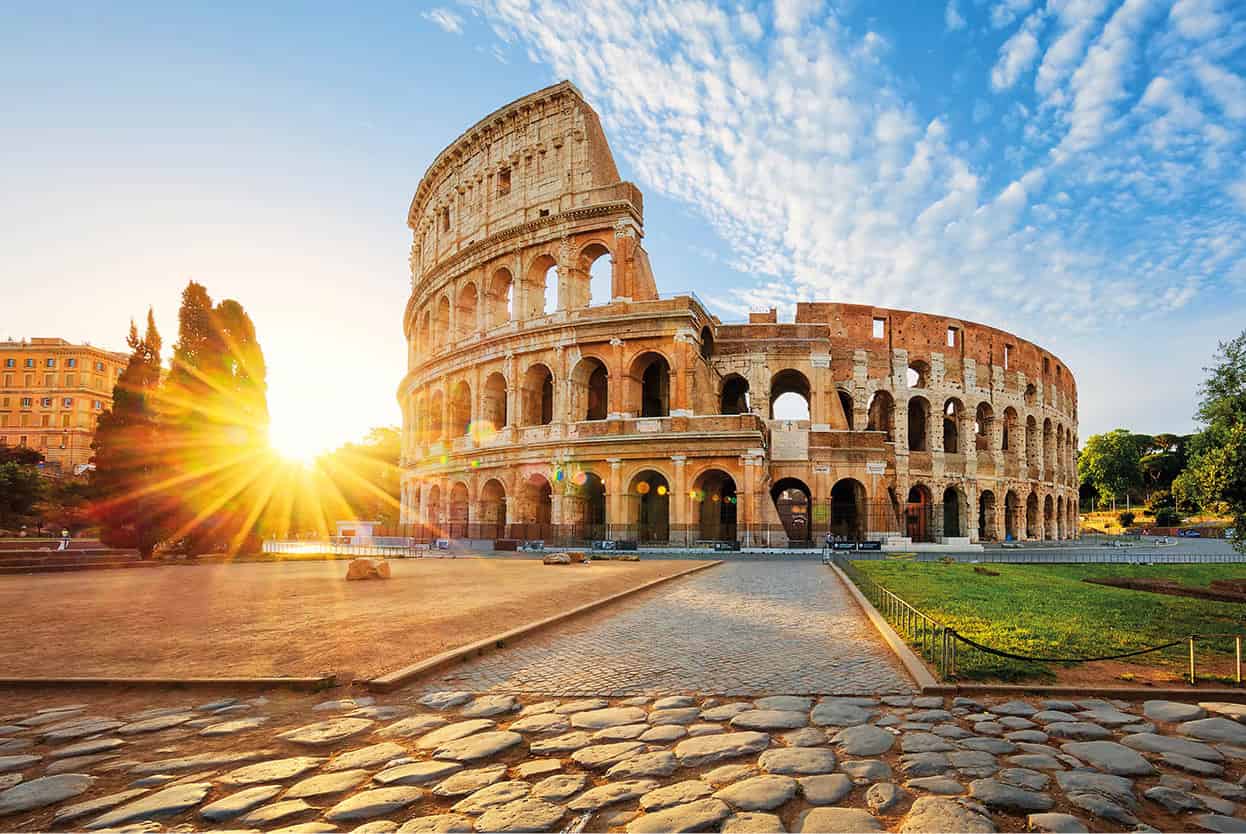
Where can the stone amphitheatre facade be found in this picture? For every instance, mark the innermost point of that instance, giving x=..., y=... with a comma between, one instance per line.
x=536, y=408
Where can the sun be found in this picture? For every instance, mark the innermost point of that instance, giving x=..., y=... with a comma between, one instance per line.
x=295, y=445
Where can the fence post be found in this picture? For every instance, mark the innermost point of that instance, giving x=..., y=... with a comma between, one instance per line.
x=1192, y=679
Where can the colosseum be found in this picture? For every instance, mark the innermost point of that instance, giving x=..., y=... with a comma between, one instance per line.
x=553, y=393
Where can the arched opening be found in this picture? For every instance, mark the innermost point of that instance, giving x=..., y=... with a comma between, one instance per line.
x=589, y=390
x=986, y=517
x=789, y=396
x=952, y=513
x=848, y=510
x=1031, y=441
x=714, y=504
x=918, y=375
x=919, y=418
x=984, y=420
x=492, y=523
x=1049, y=518
x=585, y=504
x=537, y=396
x=541, y=287
x=1009, y=442
x=845, y=403
x=436, y=428
x=951, y=426
x=1012, y=516
x=536, y=508
x=882, y=415
x=499, y=298
x=918, y=514
x=433, y=517
x=493, y=406
x=441, y=326
x=466, y=319
x=793, y=500
x=650, y=497
x=651, y=381
x=461, y=409
x=1031, y=517
x=707, y=343
x=734, y=398
x=456, y=528
x=597, y=264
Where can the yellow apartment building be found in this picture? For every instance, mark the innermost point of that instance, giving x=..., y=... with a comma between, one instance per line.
x=51, y=395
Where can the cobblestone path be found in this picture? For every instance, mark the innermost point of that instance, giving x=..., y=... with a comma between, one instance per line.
x=741, y=629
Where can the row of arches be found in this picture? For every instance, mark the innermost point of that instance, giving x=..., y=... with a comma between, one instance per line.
x=1052, y=518
x=478, y=305
x=533, y=402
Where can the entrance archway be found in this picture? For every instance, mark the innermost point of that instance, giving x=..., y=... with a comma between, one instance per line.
x=952, y=513
x=714, y=500
x=918, y=524
x=650, y=497
x=793, y=500
x=986, y=517
x=848, y=513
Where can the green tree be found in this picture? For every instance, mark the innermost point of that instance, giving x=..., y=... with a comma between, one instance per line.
x=215, y=416
x=22, y=487
x=129, y=502
x=1216, y=475
x=1110, y=462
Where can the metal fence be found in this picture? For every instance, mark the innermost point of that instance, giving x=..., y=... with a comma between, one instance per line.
x=943, y=646
x=1070, y=557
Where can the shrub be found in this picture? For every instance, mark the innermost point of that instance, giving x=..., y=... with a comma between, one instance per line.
x=1167, y=517
x=1126, y=519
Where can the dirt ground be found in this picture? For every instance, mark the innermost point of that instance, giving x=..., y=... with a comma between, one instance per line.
x=283, y=619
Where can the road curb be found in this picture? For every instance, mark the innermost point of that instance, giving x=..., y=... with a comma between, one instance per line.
x=405, y=675
x=313, y=684
x=912, y=663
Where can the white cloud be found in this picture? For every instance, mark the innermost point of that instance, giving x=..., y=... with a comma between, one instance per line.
x=952, y=18
x=445, y=18
x=825, y=180
x=1017, y=54
x=1005, y=12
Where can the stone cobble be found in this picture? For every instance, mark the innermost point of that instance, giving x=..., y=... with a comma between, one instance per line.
x=860, y=763
x=742, y=628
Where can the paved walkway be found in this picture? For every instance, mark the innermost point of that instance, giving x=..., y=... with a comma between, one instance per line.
x=742, y=628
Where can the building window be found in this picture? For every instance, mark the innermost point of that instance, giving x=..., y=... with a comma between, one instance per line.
x=880, y=328
x=504, y=182
x=71, y=363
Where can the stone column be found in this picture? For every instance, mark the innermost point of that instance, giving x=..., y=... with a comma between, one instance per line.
x=680, y=516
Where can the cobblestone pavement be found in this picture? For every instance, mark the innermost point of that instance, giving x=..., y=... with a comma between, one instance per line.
x=416, y=761
x=741, y=628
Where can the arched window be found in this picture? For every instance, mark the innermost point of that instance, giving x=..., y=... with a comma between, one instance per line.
x=650, y=379
x=919, y=418
x=734, y=399
x=589, y=390
x=789, y=396
x=493, y=406
x=466, y=320
x=538, y=396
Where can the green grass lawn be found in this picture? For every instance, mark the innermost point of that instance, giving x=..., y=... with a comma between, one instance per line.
x=1046, y=610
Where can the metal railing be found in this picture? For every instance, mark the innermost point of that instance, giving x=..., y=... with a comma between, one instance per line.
x=941, y=645
x=932, y=639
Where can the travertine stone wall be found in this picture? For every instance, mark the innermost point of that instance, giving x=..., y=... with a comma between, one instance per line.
x=637, y=416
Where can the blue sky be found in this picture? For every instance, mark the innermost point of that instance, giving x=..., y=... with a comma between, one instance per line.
x=1072, y=171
